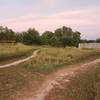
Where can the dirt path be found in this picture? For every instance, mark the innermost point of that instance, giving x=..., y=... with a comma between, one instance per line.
x=54, y=79
x=20, y=61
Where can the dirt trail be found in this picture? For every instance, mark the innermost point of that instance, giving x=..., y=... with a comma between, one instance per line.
x=54, y=79
x=20, y=61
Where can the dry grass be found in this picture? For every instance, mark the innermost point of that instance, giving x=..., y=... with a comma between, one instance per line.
x=85, y=85
x=18, y=80
x=15, y=81
x=97, y=86
x=11, y=51
x=50, y=59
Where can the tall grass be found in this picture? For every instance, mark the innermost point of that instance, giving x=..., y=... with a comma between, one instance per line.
x=50, y=59
x=16, y=50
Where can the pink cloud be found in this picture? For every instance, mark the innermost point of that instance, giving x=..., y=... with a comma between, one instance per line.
x=76, y=19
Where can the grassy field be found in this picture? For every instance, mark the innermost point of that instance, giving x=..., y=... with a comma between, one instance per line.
x=12, y=51
x=14, y=81
x=50, y=59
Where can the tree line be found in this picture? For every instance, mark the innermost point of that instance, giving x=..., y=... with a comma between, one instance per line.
x=90, y=41
x=61, y=37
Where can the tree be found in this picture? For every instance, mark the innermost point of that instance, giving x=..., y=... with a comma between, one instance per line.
x=68, y=36
x=6, y=34
x=55, y=42
x=98, y=40
x=31, y=37
x=76, y=38
x=64, y=36
x=46, y=37
x=19, y=37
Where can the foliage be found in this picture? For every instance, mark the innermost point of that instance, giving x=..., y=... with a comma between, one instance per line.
x=31, y=37
x=46, y=38
x=62, y=37
x=6, y=34
x=98, y=40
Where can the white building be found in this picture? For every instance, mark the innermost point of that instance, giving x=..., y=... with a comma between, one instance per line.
x=89, y=45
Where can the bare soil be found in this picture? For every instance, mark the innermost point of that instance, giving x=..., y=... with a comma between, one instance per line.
x=59, y=77
x=38, y=86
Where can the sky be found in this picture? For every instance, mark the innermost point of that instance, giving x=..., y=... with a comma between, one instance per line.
x=80, y=15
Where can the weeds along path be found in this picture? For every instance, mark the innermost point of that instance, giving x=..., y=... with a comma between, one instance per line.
x=20, y=61
x=56, y=78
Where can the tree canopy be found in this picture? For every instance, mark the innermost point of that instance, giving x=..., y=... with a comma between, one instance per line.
x=6, y=34
x=61, y=37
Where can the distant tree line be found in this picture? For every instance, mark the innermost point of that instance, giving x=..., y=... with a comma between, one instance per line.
x=61, y=37
x=6, y=34
x=90, y=41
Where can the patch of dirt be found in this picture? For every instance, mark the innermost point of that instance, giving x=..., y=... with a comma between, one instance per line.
x=58, y=78
x=40, y=89
x=16, y=83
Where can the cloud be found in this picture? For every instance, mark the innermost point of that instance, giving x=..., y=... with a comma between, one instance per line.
x=77, y=19
x=50, y=1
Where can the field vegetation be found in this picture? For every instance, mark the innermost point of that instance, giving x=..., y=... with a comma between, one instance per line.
x=12, y=51
x=23, y=79
x=50, y=59
x=85, y=85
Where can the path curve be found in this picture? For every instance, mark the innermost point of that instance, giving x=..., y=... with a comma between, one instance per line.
x=20, y=61
x=58, y=76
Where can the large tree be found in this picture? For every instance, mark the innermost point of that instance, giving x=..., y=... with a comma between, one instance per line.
x=31, y=37
x=6, y=34
x=67, y=37
x=76, y=38
x=46, y=37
